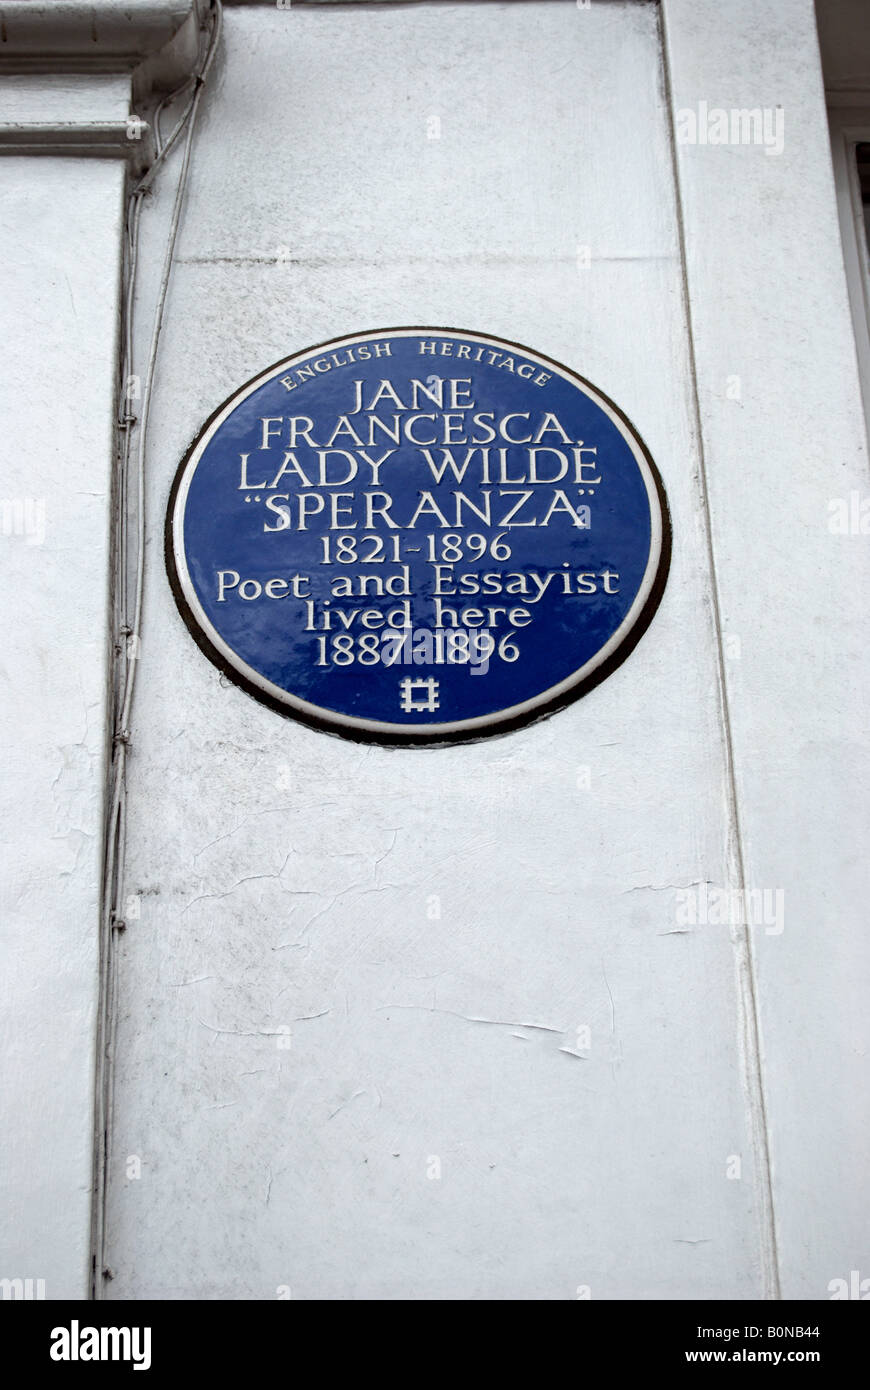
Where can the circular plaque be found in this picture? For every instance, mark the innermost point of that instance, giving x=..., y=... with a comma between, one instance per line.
x=417, y=535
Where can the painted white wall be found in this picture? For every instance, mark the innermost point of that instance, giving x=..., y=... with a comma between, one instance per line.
x=792, y=591
x=60, y=227
x=285, y=875
x=286, y=879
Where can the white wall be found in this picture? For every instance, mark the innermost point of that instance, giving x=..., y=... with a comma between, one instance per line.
x=793, y=591
x=285, y=875
x=287, y=880
x=60, y=229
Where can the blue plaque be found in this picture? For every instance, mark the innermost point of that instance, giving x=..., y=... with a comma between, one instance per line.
x=417, y=535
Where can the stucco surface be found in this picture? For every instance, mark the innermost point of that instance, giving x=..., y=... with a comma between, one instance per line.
x=433, y=927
